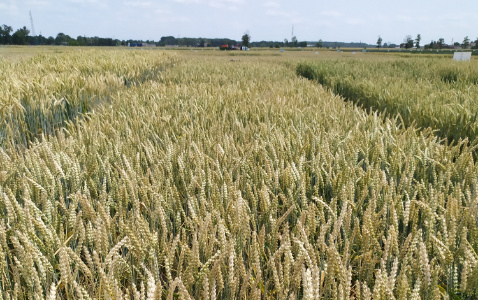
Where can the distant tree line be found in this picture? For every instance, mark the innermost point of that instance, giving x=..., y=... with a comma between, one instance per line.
x=19, y=37
x=22, y=36
x=318, y=44
x=409, y=43
x=440, y=44
x=194, y=42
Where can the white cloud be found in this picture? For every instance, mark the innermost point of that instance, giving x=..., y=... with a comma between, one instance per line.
x=403, y=18
x=272, y=4
x=287, y=17
x=328, y=24
x=86, y=1
x=331, y=13
x=188, y=1
x=160, y=11
x=354, y=21
x=138, y=3
x=228, y=4
x=173, y=19
x=8, y=6
x=222, y=4
x=38, y=3
x=278, y=13
x=425, y=19
x=93, y=4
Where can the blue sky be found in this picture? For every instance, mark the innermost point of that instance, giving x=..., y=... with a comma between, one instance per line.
x=339, y=20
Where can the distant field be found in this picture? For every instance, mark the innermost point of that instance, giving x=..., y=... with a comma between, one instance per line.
x=19, y=52
x=152, y=174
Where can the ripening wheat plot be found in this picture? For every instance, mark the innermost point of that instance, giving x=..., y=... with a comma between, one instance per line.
x=213, y=179
x=430, y=92
x=42, y=94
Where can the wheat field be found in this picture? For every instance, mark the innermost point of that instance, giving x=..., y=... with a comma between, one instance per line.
x=434, y=92
x=182, y=175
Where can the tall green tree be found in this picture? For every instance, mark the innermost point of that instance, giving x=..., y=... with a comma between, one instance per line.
x=60, y=38
x=319, y=44
x=168, y=40
x=379, y=42
x=5, y=37
x=20, y=37
x=81, y=40
x=408, y=42
x=417, y=41
x=64, y=39
x=466, y=42
x=246, y=39
x=441, y=42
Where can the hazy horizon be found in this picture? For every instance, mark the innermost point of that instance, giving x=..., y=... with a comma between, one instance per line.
x=346, y=21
